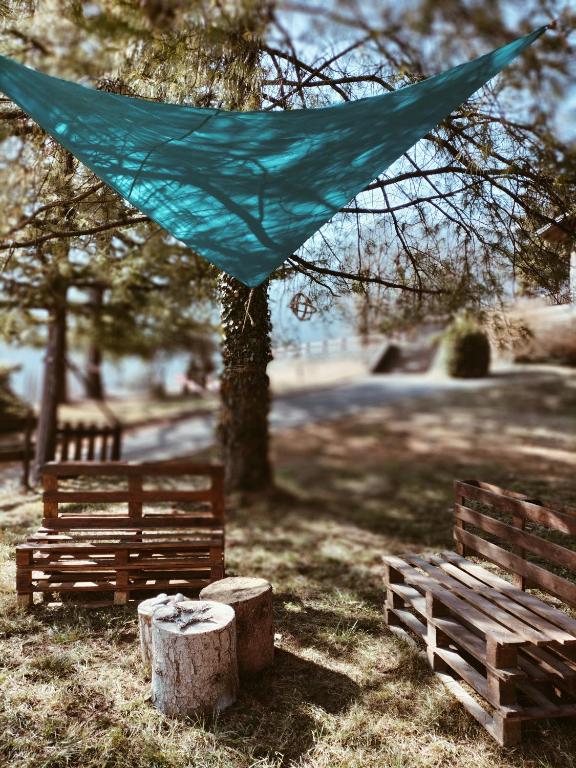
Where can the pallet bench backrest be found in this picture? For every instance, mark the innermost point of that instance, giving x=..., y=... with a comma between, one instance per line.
x=532, y=541
x=59, y=516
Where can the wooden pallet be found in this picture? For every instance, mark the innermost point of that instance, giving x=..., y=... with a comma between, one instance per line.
x=507, y=655
x=87, y=544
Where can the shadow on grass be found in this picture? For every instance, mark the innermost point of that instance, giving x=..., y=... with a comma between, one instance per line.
x=277, y=713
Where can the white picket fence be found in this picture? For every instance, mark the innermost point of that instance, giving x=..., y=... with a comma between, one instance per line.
x=325, y=348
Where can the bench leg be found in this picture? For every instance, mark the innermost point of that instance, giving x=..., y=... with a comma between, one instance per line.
x=25, y=596
x=500, y=656
x=508, y=733
x=216, y=571
x=435, y=638
x=121, y=593
x=25, y=600
x=392, y=576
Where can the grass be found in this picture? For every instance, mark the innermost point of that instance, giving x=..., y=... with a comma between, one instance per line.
x=344, y=692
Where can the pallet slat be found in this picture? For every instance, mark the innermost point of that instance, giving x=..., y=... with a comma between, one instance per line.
x=125, y=523
x=503, y=500
x=559, y=618
x=554, y=552
x=538, y=575
x=551, y=630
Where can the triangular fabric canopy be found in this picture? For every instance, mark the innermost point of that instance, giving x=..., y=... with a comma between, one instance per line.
x=243, y=189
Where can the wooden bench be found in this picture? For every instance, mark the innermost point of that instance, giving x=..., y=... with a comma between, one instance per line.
x=90, y=542
x=88, y=442
x=484, y=633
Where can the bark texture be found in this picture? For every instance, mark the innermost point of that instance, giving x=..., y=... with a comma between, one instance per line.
x=194, y=670
x=145, y=613
x=252, y=601
x=54, y=372
x=94, y=384
x=245, y=386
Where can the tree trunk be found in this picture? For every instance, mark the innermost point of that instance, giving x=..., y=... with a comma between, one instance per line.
x=251, y=599
x=48, y=415
x=245, y=387
x=94, y=385
x=61, y=368
x=194, y=667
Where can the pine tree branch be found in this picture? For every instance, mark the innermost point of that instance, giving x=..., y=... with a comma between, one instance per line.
x=67, y=234
x=307, y=266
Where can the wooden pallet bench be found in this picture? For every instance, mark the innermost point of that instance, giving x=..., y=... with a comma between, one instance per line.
x=506, y=654
x=123, y=542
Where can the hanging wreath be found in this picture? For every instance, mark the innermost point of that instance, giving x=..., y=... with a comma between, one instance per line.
x=302, y=306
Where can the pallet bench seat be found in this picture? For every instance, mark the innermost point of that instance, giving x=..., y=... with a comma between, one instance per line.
x=506, y=654
x=124, y=542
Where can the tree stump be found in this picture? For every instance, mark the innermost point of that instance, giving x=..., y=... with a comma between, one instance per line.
x=145, y=612
x=194, y=667
x=251, y=598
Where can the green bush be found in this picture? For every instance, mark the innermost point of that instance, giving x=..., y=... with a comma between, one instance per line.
x=467, y=350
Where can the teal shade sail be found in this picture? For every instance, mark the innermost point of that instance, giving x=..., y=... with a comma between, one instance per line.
x=244, y=189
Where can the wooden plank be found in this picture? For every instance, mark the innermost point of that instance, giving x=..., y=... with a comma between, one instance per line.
x=547, y=712
x=552, y=614
x=118, y=497
x=475, y=646
x=461, y=486
x=519, y=522
x=116, y=443
x=72, y=548
x=480, y=602
x=92, y=434
x=104, y=435
x=465, y=671
x=109, y=586
x=468, y=702
x=552, y=664
x=112, y=539
x=551, y=518
x=462, y=609
x=410, y=596
x=409, y=620
x=125, y=523
x=127, y=469
x=134, y=497
x=122, y=564
x=218, y=496
x=522, y=539
x=554, y=584
x=50, y=485
x=12, y=454
x=529, y=617
x=78, y=435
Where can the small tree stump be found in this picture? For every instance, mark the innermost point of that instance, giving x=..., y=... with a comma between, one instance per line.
x=145, y=612
x=252, y=600
x=194, y=667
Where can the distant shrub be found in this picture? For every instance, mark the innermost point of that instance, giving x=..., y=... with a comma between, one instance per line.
x=467, y=349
